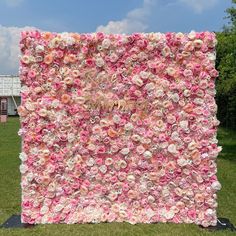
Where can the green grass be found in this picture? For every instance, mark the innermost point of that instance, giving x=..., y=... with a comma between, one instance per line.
x=10, y=194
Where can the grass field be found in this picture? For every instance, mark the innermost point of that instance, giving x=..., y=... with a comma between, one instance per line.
x=10, y=194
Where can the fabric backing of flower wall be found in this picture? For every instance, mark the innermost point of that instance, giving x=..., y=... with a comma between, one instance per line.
x=118, y=128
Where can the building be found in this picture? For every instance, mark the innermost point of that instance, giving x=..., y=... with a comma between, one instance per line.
x=9, y=93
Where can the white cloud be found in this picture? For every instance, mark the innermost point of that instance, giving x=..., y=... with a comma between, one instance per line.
x=9, y=48
x=200, y=5
x=135, y=21
x=12, y=3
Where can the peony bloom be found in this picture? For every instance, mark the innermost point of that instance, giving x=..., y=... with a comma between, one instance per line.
x=112, y=133
x=48, y=59
x=43, y=112
x=172, y=148
x=68, y=80
x=106, y=43
x=170, y=71
x=144, y=75
x=197, y=43
x=23, y=156
x=25, y=59
x=30, y=106
x=171, y=119
x=32, y=74
x=216, y=185
x=188, y=72
x=22, y=111
x=140, y=149
x=147, y=154
x=113, y=57
x=99, y=62
x=124, y=151
x=65, y=98
x=137, y=81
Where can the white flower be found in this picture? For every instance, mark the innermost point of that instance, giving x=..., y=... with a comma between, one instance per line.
x=39, y=48
x=116, y=119
x=143, y=188
x=192, y=35
x=163, y=145
x=91, y=147
x=198, y=101
x=170, y=214
x=175, y=97
x=149, y=86
x=58, y=207
x=170, y=71
x=172, y=148
x=124, y=151
x=183, y=124
x=167, y=214
x=67, y=38
x=151, y=198
x=29, y=177
x=21, y=132
x=135, y=137
x=182, y=162
x=122, y=164
x=71, y=137
x=149, y=212
x=187, y=93
x=165, y=192
x=106, y=43
x=103, y=169
x=30, y=106
x=159, y=93
x=44, y=210
x=99, y=62
x=211, y=56
x=198, y=43
x=147, y=154
x=216, y=185
x=23, y=156
x=43, y=112
x=175, y=135
x=129, y=126
x=144, y=74
x=131, y=178
x=90, y=162
x=23, y=168
x=179, y=35
x=210, y=212
x=34, y=151
x=136, y=80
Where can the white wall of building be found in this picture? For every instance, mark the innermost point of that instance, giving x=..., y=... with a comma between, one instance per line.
x=10, y=88
x=9, y=85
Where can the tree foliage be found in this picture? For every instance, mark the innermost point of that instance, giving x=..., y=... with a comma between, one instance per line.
x=226, y=65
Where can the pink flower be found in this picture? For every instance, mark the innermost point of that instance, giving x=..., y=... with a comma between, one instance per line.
x=100, y=150
x=32, y=74
x=192, y=214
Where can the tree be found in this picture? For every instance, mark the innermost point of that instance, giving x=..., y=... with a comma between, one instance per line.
x=226, y=65
x=231, y=15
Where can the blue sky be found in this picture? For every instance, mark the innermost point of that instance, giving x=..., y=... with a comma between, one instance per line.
x=109, y=16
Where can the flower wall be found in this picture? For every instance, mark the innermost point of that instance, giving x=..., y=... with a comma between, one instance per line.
x=118, y=128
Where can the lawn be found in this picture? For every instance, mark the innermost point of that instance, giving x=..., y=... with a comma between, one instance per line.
x=10, y=194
